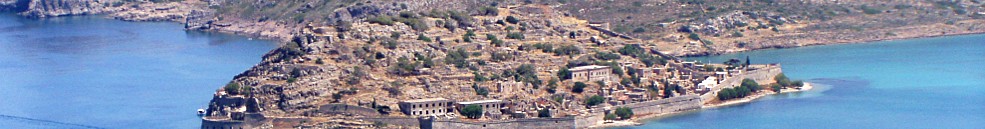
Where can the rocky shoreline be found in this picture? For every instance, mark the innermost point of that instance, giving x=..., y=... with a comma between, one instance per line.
x=642, y=118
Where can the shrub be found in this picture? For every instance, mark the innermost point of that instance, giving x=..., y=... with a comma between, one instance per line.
x=457, y=57
x=382, y=20
x=319, y=61
x=480, y=90
x=694, y=36
x=579, y=87
x=515, y=35
x=565, y=50
x=594, y=100
x=492, y=11
x=624, y=112
x=607, y=56
x=631, y=50
x=292, y=80
x=479, y=77
x=423, y=38
x=512, y=20
x=501, y=56
x=870, y=10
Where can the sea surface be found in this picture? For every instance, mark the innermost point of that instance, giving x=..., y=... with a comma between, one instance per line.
x=95, y=72
x=934, y=83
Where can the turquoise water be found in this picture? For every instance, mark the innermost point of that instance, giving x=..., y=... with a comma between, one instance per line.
x=93, y=72
x=921, y=83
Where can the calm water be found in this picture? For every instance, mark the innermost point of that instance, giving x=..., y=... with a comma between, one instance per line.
x=922, y=83
x=82, y=72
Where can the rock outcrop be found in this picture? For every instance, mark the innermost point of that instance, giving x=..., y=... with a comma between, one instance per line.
x=49, y=8
x=13, y=5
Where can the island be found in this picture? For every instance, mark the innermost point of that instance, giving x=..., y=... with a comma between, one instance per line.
x=513, y=64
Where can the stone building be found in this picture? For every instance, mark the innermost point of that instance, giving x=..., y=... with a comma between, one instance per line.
x=426, y=107
x=488, y=106
x=591, y=73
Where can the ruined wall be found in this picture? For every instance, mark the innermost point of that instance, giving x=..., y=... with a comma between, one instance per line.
x=673, y=104
x=529, y=123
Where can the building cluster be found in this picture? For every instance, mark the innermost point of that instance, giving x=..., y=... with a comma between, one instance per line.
x=444, y=108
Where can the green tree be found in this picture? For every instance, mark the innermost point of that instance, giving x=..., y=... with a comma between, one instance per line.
x=480, y=90
x=798, y=83
x=564, y=74
x=478, y=77
x=594, y=100
x=232, y=88
x=423, y=38
x=472, y=111
x=631, y=50
x=579, y=87
x=694, y=36
x=624, y=112
x=610, y=116
x=512, y=20
x=776, y=88
x=782, y=80
x=750, y=84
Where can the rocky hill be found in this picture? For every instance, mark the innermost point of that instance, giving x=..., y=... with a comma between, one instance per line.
x=510, y=52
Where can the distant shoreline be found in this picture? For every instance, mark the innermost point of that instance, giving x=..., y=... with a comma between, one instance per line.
x=640, y=119
x=857, y=41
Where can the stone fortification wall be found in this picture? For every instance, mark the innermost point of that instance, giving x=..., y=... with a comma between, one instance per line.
x=589, y=120
x=673, y=104
x=400, y=121
x=348, y=109
x=528, y=123
x=763, y=75
x=247, y=123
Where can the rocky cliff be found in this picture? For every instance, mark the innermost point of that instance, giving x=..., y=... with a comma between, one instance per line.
x=49, y=8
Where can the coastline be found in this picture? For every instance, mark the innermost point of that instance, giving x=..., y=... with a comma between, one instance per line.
x=639, y=119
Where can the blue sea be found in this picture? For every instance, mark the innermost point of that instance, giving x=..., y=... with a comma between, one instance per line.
x=94, y=72
x=933, y=83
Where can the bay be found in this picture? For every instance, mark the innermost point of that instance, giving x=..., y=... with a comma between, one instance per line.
x=94, y=72
x=918, y=83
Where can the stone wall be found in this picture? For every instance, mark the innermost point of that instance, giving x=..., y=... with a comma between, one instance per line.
x=400, y=121
x=673, y=104
x=528, y=123
x=348, y=109
x=247, y=123
x=589, y=120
